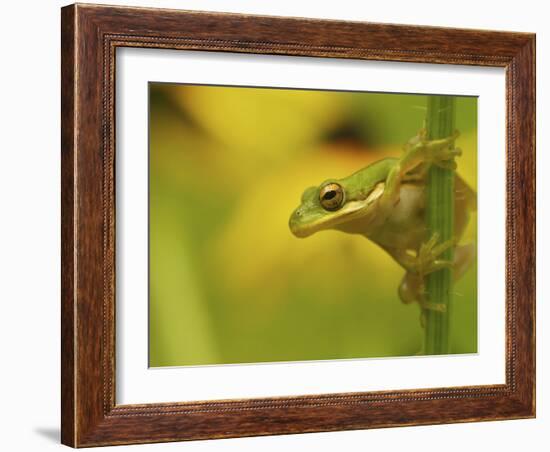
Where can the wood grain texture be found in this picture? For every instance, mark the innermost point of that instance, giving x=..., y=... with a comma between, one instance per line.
x=68, y=310
x=90, y=36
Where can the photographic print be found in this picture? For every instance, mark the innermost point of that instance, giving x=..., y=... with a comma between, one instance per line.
x=296, y=225
x=263, y=249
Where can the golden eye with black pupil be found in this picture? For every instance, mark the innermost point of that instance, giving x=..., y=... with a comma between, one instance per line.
x=331, y=196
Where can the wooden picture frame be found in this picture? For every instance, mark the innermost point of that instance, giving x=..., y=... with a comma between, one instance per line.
x=90, y=36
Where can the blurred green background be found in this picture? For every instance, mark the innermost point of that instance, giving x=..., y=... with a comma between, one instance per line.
x=229, y=283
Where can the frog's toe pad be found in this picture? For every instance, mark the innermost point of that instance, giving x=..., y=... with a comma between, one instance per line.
x=436, y=307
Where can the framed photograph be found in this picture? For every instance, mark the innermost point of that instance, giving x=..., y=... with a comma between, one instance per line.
x=281, y=225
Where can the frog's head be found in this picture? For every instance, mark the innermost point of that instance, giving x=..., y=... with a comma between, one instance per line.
x=336, y=204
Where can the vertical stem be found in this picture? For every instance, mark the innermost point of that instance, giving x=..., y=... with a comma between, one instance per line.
x=440, y=219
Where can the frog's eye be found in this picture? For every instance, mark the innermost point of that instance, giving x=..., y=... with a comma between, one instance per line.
x=331, y=196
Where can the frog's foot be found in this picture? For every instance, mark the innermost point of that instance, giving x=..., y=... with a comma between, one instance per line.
x=442, y=152
x=447, y=164
x=427, y=259
x=412, y=290
x=446, y=158
x=428, y=306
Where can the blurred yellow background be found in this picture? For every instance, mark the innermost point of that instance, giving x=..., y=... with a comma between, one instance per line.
x=229, y=283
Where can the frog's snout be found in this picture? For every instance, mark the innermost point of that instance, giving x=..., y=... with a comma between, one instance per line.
x=294, y=223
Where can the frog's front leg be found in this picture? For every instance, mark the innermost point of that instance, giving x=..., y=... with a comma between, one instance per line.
x=437, y=152
x=427, y=259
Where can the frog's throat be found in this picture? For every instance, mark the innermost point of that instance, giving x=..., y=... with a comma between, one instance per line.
x=350, y=211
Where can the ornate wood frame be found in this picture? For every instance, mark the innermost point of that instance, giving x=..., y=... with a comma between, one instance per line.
x=90, y=35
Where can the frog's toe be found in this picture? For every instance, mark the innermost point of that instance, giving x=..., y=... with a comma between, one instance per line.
x=447, y=164
x=436, y=307
x=422, y=321
x=445, y=158
x=449, y=154
x=423, y=134
x=442, y=247
x=427, y=246
x=440, y=263
x=427, y=259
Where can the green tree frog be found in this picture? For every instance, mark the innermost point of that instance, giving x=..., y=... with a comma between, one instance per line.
x=385, y=202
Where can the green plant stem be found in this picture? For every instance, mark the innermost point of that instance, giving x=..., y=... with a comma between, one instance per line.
x=440, y=220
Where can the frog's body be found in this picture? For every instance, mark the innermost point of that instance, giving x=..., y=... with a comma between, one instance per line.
x=385, y=202
x=403, y=225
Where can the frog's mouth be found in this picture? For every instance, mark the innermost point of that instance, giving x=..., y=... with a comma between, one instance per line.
x=351, y=211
